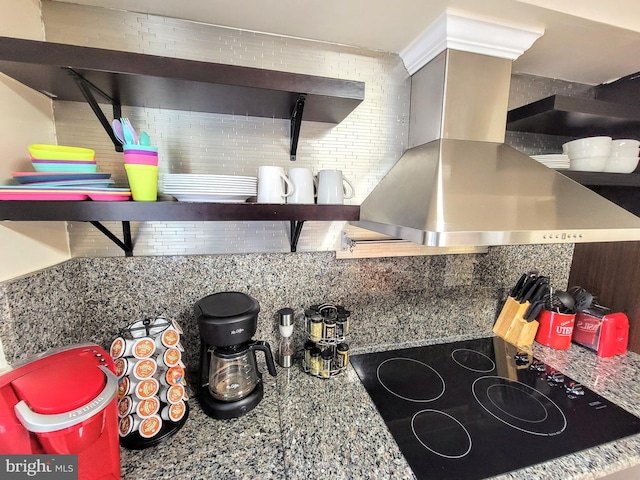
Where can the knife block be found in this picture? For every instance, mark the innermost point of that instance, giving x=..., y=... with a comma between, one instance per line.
x=511, y=325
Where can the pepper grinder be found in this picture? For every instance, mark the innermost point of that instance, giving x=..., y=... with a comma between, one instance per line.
x=285, y=347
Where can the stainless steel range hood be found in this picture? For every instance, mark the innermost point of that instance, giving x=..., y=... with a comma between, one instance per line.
x=460, y=185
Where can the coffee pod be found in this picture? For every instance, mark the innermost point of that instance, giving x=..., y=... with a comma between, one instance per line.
x=169, y=358
x=168, y=338
x=143, y=348
x=143, y=389
x=146, y=388
x=150, y=426
x=126, y=406
x=172, y=394
x=124, y=366
x=177, y=326
x=138, y=347
x=125, y=387
x=128, y=425
x=148, y=407
x=172, y=376
x=144, y=368
x=117, y=348
x=174, y=412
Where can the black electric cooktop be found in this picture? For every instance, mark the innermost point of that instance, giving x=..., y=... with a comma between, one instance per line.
x=478, y=408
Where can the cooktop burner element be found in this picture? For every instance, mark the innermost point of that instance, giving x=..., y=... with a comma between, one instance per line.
x=519, y=406
x=479, y=408
x=418, y=383
x=427, y=426
x=472, y=360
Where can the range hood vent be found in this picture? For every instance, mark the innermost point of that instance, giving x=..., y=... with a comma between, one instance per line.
x=460, y=185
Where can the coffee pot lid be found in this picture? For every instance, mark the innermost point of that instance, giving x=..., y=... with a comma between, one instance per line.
x=224, y=305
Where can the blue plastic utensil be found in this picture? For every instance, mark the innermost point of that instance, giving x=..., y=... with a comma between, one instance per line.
x=130, y=134
x=145, y=139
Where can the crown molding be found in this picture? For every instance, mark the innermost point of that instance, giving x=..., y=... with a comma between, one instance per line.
x=469, y=35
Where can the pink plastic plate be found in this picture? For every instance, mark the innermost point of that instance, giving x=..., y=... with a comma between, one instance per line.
x=42, y=195
x=109, y=197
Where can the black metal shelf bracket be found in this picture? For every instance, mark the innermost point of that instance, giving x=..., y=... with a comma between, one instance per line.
x=126, y=245
x=296, y=229
x=296, y=121
x=87, y=88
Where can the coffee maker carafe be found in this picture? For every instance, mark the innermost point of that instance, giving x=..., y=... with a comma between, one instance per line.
x=230, y=383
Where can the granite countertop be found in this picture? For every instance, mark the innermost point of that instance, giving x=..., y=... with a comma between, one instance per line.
x=309, y=428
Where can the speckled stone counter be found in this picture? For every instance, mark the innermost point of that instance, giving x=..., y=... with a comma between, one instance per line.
x=305, y=428
x=309, y=428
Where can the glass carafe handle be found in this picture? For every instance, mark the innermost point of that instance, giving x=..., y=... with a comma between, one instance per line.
x=266, y=349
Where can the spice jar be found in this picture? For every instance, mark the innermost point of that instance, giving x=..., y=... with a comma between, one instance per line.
x=308, y=313
x=316, y=361
x=316, y=327
x=308, y=345
x=342, y=355
x=342, y=324
x=327, y=358
x=329, y=328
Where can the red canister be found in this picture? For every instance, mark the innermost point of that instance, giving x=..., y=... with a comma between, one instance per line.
x=555, y=329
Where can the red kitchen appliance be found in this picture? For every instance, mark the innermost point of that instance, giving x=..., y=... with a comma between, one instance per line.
x=555, y=329
x=64, y=402
x=602, y=330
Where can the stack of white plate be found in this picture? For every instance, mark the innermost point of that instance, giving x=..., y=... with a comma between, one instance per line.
x=189, y=187
x=556, y=161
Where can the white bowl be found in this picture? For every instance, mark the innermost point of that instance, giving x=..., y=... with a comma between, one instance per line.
x=586, y=144
x=625, y=143
x=624, y=152
x=589, y=152
x=621, y=164
x=592, y=164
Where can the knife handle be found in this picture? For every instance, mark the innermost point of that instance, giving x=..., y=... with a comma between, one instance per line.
x=518, y=286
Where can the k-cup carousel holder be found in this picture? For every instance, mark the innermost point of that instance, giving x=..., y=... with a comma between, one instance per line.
x=152, y=396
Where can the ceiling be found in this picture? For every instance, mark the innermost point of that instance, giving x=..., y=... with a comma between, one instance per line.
x=586, y=41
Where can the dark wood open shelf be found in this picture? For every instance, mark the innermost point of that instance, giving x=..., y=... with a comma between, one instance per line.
x=85, y=211
x=143, y=80
x=125, y=212
x=604, y=179
x=576, y=117
x=95, y=75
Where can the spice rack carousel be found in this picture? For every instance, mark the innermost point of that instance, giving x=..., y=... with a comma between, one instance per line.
x=326, y=353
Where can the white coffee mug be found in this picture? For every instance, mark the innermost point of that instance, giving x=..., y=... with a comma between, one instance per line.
x=304, y=188
x=271, y=185
x=332, y=187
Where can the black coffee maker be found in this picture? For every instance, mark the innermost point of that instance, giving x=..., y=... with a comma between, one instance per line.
x=230, y=383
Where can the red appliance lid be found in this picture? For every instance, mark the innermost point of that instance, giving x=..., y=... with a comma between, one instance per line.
x=61, y=385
